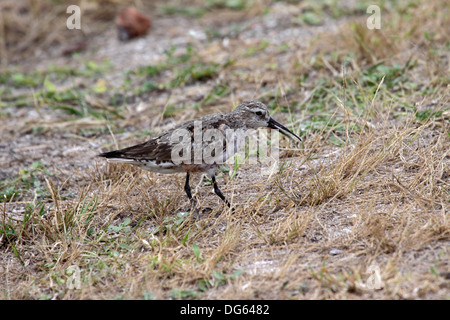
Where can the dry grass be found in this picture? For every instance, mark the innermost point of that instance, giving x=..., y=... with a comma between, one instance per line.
x=31, y=28
x=368, y=190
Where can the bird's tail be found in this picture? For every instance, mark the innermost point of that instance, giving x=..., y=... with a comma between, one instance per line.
x=116, y=156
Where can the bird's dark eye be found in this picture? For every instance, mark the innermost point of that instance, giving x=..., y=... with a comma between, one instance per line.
x=259, y=113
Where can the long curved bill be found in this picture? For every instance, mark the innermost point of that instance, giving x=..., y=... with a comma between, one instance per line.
x=278, y=126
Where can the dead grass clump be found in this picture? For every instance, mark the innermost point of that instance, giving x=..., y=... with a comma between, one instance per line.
x=417, y=31
x=395, y=209
x=376, y=148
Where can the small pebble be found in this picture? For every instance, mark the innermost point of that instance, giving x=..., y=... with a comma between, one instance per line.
x=334, y=252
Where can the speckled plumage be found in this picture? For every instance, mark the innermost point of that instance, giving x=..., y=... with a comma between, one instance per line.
x=156, y=154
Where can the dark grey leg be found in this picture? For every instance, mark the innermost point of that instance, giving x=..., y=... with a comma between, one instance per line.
x=187, y=188
x=218, y=192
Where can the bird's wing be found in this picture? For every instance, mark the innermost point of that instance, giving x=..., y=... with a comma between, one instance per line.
x=158, y=149
x=161, y=148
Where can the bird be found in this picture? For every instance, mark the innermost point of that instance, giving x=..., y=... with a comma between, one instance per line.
x=167, y=153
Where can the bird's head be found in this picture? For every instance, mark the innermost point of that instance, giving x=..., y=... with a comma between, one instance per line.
x=255, y=115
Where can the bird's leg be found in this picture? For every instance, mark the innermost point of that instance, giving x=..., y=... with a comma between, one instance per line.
x=187, y=188
x=218, y=192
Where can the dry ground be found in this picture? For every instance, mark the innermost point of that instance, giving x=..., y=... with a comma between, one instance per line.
x=359, y=211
